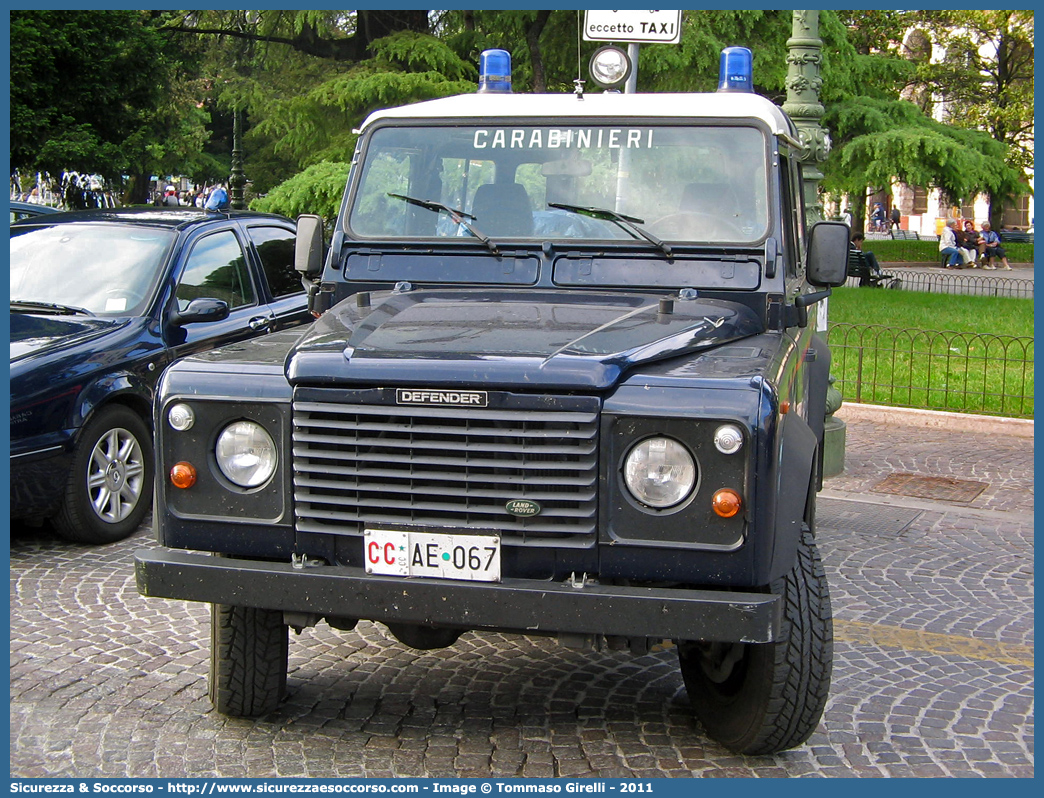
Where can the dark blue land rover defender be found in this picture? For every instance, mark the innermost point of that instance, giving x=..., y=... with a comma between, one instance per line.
x=564, y=380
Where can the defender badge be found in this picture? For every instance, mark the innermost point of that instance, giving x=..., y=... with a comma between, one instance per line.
x=404, y=396
x=522, y=508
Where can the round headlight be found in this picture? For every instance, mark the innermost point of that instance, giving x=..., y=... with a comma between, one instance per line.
x=181, y=417
x=728, y=439
x=246, y=454
x=660, y=472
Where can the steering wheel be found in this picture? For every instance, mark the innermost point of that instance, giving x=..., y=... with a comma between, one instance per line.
x=696, y=226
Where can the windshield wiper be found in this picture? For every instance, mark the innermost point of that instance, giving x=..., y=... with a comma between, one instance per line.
x=30, y=306
x=622, y=220
x=457, y=215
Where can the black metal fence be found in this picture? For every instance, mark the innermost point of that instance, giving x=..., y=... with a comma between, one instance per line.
x=935, y=370
x=973, y=284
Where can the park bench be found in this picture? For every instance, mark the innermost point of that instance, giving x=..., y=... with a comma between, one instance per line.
x=1015, y=236
x=859, y=268
x=905, y=235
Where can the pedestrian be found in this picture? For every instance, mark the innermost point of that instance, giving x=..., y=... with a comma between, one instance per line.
x=895, y=216
x=992, y=248
x=218, y=199
x=846, y=217
x=877, y=218
x=969, y=242
x=874, y=273
x=170, y=198
x=948, y=245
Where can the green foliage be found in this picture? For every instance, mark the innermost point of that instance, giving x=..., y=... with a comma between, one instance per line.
x=883, y=141
x=318, y=189
x=139, y=92
x=99, y=92
x=417, y=52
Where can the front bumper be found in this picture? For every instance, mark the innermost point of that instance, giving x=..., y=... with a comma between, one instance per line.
x=522, y=605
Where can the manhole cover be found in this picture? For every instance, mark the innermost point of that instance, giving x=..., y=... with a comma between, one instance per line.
x=945, y=489
x=864, y=518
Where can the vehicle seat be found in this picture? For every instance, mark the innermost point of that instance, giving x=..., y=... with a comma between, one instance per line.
x=503, y=209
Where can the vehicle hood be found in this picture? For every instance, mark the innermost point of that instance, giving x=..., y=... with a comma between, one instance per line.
x=579, y=340
x=33, y=333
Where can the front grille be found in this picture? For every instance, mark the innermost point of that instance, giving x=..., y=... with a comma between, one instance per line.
x=358, y=465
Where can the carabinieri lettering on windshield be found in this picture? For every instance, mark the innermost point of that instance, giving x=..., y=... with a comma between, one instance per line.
x=555, y=138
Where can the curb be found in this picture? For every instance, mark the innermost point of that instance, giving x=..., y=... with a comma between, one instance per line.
x=914, y=417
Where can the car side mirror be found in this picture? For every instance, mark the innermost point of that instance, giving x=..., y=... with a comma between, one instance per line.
x=308, y=249
x=827, y=261
x=200, y=310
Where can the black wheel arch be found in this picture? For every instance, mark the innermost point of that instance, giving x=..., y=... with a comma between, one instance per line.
x=799, y=454
x=124, y=389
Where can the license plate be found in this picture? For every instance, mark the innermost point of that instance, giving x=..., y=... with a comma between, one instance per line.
x=440, y=555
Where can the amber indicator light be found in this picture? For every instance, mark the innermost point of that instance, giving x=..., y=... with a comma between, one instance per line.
x=726, y=503
x=183, y=475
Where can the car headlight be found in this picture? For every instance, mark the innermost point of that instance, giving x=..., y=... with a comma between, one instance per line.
x=246, y=454
x=660, y=472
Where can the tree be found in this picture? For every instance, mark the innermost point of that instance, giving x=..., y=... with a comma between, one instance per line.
x=986, y=81
x=890, y=141
x=98, y=92
x=318, y=189
x=306, y=79
x=881, y=123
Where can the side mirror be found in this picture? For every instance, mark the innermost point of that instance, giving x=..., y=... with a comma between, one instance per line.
x=308, y=249
x=827, y=261
x=200, y=310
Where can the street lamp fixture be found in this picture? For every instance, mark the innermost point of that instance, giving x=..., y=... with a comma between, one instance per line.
x=609, y=67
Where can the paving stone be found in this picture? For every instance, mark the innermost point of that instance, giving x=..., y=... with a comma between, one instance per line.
x=105, y=683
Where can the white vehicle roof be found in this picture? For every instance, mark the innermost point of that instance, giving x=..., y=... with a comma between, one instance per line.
x=608, y=105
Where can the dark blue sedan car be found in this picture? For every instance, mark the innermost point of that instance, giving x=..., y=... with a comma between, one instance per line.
x=101, y=302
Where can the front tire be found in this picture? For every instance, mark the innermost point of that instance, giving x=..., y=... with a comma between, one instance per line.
x=248, y=659
x=109, y=489
x=768, y=697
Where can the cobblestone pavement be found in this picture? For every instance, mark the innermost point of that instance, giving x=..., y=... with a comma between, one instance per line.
x=933, y=661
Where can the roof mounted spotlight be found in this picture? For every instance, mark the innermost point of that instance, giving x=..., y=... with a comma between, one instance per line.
x=495, y=72
x=609, y=67
x=735, y=72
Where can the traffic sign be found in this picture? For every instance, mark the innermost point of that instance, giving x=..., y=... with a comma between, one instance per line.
x=644, y=27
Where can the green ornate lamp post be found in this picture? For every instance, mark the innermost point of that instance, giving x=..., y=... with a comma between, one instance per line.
x=803, y=84
x=803, y=106
x=237, y=179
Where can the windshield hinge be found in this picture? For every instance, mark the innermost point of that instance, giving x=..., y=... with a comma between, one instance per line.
x=774, y=312
x=770, y=257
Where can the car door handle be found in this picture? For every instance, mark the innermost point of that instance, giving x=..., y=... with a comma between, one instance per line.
x=260, y=323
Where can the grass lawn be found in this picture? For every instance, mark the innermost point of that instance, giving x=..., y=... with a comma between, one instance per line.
x=943, y=352
x=924, y=311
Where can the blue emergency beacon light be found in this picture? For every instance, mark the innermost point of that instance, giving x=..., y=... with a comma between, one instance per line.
x=734, y=70
x=494, y=71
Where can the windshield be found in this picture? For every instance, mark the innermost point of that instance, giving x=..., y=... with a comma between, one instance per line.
x=106, y=269
x=688, y=184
